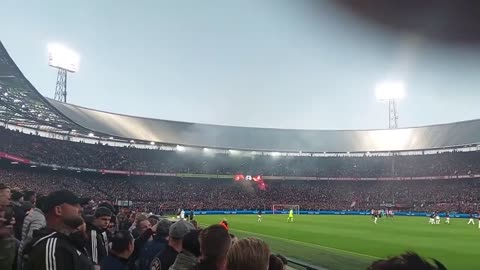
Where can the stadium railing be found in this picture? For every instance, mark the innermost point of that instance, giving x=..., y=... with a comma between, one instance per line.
x=296, y=264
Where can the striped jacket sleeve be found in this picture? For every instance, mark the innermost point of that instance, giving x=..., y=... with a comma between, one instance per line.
x=57, y=257
x=92, y=246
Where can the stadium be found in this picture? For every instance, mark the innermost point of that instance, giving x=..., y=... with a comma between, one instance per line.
x=331, y=179
x=274, y=154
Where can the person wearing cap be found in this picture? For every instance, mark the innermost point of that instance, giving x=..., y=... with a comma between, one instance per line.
x=122, y=249
x=187, y=259
x=152, y=248
x=34, y=221
x=53, y=247
x=176, y=233
x=97, y=244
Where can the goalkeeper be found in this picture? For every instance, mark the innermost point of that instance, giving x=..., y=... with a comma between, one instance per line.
x=290, y=216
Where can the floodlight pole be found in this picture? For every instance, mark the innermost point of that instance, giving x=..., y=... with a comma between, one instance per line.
x=392, y=114
x=61, y=88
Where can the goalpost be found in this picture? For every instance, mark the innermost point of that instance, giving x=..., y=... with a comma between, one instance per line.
x=278, y=208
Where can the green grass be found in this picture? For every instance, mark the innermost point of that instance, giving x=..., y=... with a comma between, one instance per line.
x=352, y=242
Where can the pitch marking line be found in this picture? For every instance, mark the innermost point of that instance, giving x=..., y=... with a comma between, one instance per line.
x=305, y=243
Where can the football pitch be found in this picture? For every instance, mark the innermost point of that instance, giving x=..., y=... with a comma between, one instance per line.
x=353, y=242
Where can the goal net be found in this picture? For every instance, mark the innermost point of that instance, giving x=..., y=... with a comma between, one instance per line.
x=284, y=208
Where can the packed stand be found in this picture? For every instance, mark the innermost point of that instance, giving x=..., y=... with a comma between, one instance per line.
x=67, y=235
x=165, y=194
x=100, y=156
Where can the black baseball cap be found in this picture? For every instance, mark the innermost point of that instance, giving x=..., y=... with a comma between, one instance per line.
x=60, y=197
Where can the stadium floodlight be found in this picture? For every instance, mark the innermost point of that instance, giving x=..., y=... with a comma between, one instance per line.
x=391, y=91
x=62, y=57
x=64, y=60
x=180, y=148
x=152, y=143
x=91, y=134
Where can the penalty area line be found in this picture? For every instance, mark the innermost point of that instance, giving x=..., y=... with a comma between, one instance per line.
x=305, y=243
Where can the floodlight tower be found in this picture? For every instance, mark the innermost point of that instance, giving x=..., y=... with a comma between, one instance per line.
x=65, y=61
x=391, y=91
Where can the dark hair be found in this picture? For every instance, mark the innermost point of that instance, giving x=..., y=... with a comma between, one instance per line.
x=406, y=261
x=191, y=243
x=283, y=259
x=41, y=203
x=16, y=196
x=102, y=212
x=107, y=205
x=214, y=243
x=121, y=240
x=275, y=263
x=28, y=195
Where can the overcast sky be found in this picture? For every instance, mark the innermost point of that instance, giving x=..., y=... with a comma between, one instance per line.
x=270, y=63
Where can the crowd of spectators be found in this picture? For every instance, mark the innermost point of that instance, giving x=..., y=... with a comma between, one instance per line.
x=76, y=226
x=71, y=233
x=160, y=194
x=100, y=156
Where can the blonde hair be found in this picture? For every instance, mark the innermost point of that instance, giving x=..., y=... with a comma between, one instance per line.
x=249, y=253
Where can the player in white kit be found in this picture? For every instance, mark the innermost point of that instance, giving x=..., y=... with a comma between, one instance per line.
x=447, y=218
x=471, y=221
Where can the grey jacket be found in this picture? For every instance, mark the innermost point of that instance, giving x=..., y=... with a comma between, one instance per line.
x=33, y=221
x=184, y=261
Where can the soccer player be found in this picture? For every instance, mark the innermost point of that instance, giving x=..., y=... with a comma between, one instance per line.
x=471, y=220
x=259, y=219
x=290, y=216
x=432, y=218
x=437, y=218
x=375, y=216
x=447, y=218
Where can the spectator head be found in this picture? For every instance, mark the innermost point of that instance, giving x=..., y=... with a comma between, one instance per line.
x=191, y=243
x=153, y=220
x=62, y=211
x=163, y=228
x=5, y=195
x=406, y=261
x=106, y=205
x=27, y=206
x=40, y=204
x=17, y=196
x=248, y=253
x=179, y=229
x=122, y=244
x=283, y=259
x=30, y=196
x=275, y=263
x=102, y=217
x=142, y=224
x=177, y=232
x=214, y=245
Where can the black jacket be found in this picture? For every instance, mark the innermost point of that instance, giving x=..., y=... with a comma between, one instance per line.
x=112, y=262
x=97, y=244
x=51, y=250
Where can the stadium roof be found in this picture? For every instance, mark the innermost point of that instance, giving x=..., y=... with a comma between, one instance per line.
x=21, y=104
